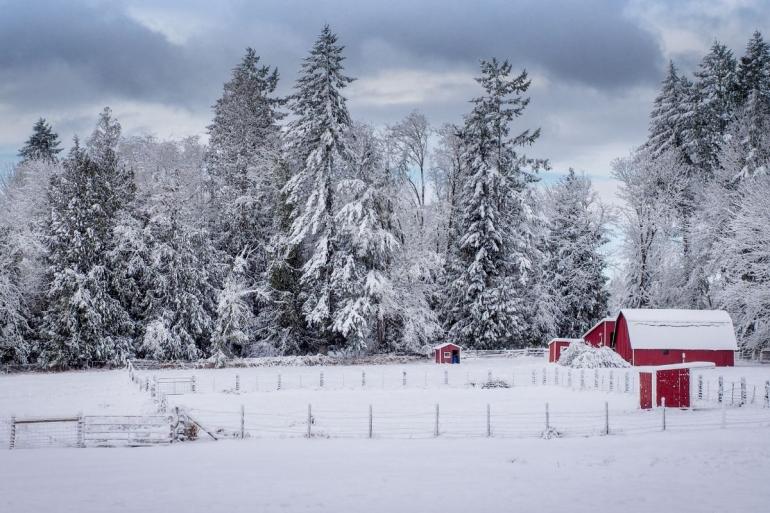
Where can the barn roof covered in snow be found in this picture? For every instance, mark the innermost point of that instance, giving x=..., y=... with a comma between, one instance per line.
x=680, y=329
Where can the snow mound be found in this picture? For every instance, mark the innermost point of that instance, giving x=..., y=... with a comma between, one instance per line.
x=580, y=355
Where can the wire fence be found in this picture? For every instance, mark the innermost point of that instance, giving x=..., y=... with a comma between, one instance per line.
x=486, y=421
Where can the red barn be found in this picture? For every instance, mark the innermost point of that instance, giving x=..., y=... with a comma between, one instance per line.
x=660, y=337
x=601, y=333
x=669, y=382
x=556, y=346
x=447, y=353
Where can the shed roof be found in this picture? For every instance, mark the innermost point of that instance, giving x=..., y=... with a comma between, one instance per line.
x=446, y=344
x=570, y=340
x=606, y=319
x=680, y=329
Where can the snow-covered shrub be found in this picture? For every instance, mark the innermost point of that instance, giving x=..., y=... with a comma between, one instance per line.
x=580, y=355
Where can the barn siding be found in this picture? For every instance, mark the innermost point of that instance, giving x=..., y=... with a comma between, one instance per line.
x=600, y=334
x=664, y=357
x=622, y=342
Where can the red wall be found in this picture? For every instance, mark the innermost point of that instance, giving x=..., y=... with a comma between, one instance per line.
x=657, y=357
x=674, y=385
x=555, y=348
x=622, y=343
x=439, y=353
x=645, y=390
x=601, y=334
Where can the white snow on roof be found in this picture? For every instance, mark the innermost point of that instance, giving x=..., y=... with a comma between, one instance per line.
x=570, y=340
x=680, y=329
x=445, y=344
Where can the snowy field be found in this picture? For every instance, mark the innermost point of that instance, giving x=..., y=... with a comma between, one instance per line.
x=716, y=470
x=489, y=455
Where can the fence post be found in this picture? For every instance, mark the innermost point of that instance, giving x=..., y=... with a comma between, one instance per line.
x=569, y=378
x=12, y=438
x=279, y=381
x=582, y=379
x=596, y=379
x=370, y=421
x=663, y=409
x=556, y=376
x=403, y=378
x=435, y=428
x=243, y=422
x=321, y=379
x=489, y=376
x=743, y=391
x=489, y=421
x=612, y=381
x=237, y=383
x=446, y=377
x=194, y=384
x=606, y=418
x=721, y=390
x=627, y=384
x=81, y=431
x=534, y=377
x=700, y=386
x=363, y=379
x=547, y=418
x=753, y=393
x=545, y=376
x=732, y=392
x=767, y=394
x=309, y=420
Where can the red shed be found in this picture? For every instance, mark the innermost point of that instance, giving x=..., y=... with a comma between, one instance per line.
x=447, y=353
x=556, y=346
x=661, y=337
x=671, y=382
x=601, y=333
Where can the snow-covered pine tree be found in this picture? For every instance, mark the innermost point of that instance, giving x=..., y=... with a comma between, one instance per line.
x=575, y=266
x=43, y=144
x=317, y=138
x=491, y=264
x=713, y=102
x=241, y=159
x=754, y=69
x=670, y=117
x=182, y=275
x=234, y=327
x=366, y=247
x=15, y=331
x=82, y=322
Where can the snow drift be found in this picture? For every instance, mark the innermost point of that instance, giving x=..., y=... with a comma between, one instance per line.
x=580, y=355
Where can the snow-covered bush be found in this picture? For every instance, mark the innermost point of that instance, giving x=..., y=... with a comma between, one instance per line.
x=580, y=355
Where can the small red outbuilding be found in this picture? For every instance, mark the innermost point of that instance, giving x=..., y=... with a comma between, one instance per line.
x=667, y=382
x=661, y=337
x=601, y=333
x=447, y=353
x=557, y=345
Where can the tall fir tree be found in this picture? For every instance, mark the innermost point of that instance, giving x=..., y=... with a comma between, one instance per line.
x=82, y=321
x=43, y=144
x=669, y=116
x=317, y=138
x=491, y=266
x=575, y=266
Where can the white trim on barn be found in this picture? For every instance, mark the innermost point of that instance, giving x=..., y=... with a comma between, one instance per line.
x=680, y=329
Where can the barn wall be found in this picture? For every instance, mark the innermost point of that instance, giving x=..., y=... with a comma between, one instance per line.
x=622, y=342
x=664, y=357
x=600, y=334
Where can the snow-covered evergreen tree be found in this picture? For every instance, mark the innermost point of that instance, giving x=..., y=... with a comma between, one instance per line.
x=82, y=322
x=575, y=267
x=43, y=144
x=15, y=331
x=670, y=116
x=241, y=161
x=318, y=145
x=491, y=266
x=235, y=322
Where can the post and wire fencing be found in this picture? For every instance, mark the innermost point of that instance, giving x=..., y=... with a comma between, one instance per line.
x=447, y=421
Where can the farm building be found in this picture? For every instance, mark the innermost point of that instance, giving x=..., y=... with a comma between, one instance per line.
x=557, y=345
x=447, y=353
x=660, y=337
x=601, y=333
x=667, y=382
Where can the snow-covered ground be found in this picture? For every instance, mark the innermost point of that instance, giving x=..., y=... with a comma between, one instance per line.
x=716, y=470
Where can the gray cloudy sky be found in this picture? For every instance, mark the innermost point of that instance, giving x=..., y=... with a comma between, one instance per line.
x=159, y=64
